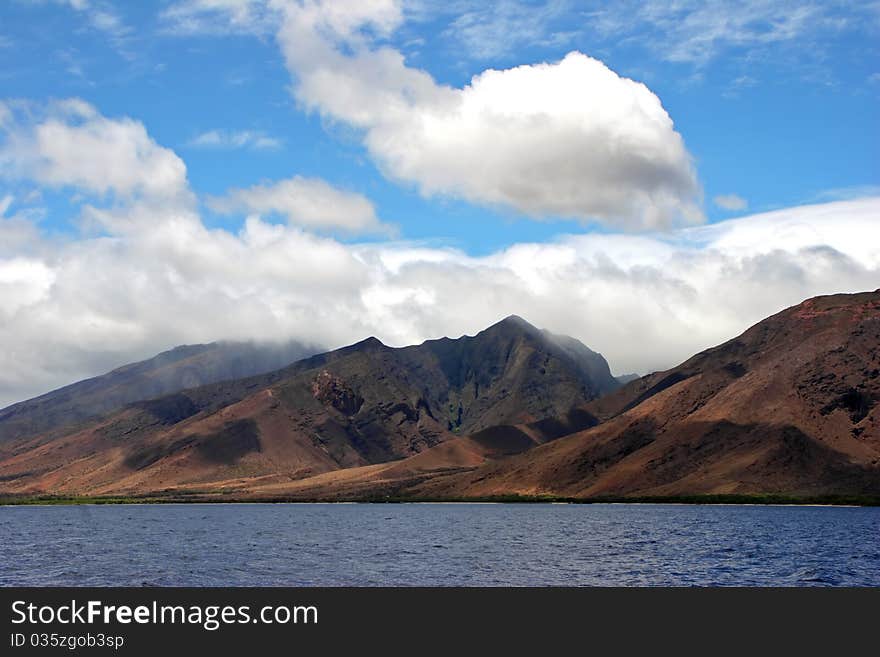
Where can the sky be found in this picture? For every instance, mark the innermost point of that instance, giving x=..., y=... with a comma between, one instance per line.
x=649, y=177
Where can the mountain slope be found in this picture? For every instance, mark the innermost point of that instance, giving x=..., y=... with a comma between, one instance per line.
x=360, y=405
x=183, y=367
x=790, y=407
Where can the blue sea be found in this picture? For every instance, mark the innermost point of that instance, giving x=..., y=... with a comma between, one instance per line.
x=438, y=545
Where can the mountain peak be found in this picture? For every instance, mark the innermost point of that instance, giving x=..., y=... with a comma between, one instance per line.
x=515, y=319
x=371, y=342
x=514, y=322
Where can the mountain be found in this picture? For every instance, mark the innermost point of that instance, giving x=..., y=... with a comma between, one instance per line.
x=183, y=367
x=788, y=407
x=358, y=406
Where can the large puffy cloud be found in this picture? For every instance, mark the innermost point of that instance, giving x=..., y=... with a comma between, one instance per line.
x=308, y=202
x=570, y=139
x=566, y=139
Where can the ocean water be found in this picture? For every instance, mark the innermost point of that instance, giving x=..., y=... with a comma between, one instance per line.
x=438, y=545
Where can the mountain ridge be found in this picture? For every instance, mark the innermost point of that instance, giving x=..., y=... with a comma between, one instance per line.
x=363, y=404
x=170, y=371
x=789, y=408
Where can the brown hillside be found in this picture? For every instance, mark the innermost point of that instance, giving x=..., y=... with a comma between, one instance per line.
x=788, y=407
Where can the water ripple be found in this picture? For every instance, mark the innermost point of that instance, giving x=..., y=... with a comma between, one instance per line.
x=442, y=545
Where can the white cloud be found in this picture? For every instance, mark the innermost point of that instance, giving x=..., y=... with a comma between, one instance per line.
x=101, y=16
x=68, y=144
x=490, y=30
x=235, y=139
x=570, y=138
x=23, y=282
x=697, y=31
x=218, y=17
x=847, y=193
x=730, y=202
x=308, y=202
x=5, y=203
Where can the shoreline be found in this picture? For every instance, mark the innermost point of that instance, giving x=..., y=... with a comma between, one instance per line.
x=690, y=500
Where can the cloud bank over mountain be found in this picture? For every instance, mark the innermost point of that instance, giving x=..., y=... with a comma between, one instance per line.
x=156, y=275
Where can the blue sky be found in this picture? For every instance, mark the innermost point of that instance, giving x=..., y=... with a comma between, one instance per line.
x=649, y=177
x=777, y=121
